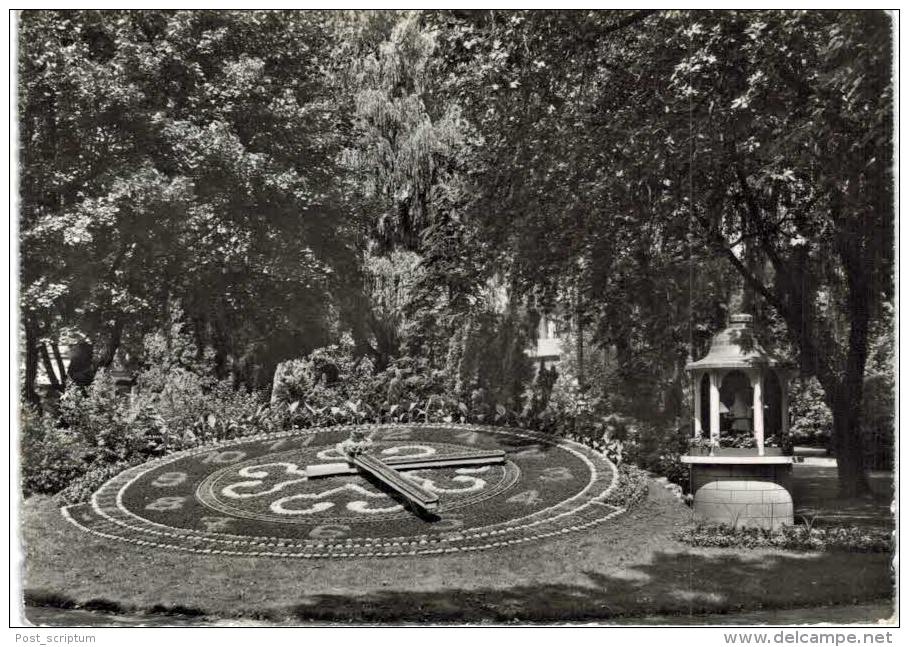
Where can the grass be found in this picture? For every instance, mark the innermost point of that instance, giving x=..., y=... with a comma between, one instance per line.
x=632, y=567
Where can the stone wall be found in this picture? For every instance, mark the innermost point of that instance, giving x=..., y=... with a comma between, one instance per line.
x=743, y=495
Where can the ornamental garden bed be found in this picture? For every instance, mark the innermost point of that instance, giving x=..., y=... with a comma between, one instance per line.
x=628, y=564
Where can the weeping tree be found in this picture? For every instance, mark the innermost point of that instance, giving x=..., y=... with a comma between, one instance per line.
x=410, y=156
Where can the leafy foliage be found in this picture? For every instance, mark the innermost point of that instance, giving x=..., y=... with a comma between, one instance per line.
x=751, y=141
x=631, y=487
x=182, y=155
x=429, y=183
x=51, y=457
x=811, y=417
x=802, y=537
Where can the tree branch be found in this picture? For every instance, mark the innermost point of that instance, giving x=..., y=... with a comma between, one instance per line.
x=755, y=210
x=637, y=16
x=721, y=245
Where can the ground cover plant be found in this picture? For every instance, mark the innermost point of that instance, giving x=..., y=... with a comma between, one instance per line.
x=801, y=536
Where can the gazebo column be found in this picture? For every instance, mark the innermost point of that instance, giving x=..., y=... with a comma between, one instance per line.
x=696, y=423
x=758, y=407
x=714, y=407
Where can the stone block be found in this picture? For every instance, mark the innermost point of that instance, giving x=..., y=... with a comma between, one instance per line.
x=782, y=511
x=714, y=495
x=732, y=485
x=747, y=496
x=757, y=484
x=777, y=496
x=759, y=510
x=716, y=512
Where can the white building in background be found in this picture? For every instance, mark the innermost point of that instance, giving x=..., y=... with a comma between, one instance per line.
x=546, y=349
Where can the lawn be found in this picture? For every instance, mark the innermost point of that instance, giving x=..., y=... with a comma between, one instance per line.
x=632, y=568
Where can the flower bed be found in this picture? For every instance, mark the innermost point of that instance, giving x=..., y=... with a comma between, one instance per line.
x=801, y=537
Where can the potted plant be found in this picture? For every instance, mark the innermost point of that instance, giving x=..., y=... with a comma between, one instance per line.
x=698, y=446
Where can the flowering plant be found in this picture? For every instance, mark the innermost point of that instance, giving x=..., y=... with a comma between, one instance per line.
x=359, y=442
x=700, y=445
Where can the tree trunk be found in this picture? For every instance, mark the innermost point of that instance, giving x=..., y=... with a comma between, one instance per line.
x=48, y=367
x=579, y=340
x=109, y=351
x=55, y=347
x=31, y=363
x=847, y=442
x=847, y=400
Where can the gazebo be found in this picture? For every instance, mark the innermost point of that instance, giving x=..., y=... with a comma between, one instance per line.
x=741, y=390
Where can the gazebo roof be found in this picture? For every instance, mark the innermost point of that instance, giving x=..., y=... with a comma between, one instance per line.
x=735, y=347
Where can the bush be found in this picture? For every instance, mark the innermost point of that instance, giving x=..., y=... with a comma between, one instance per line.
x=51, y=457
x=98, y=432
x=879, y=402
x=407, y=380
x=631, y=487
x=812, y=420
x=658, y=448
x=176, y=404
x=83, y=486
x=325, y=377
x=801, y=537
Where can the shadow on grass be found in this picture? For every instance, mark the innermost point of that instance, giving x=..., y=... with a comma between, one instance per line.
x=674, y=584
x=817, y=500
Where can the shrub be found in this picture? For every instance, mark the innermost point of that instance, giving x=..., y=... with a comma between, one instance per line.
x=98, y=431
x=51, y=457
x=631, y=487
x=493, y=366
x=799, y=537
x=325, y=377
x=879, y=404
x=811, y=417
x=407, y=380
x=657, y=448
x=83, y=486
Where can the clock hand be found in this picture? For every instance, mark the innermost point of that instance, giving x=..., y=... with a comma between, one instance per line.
x=399, y=463
x=356, y=450
x=412, y=492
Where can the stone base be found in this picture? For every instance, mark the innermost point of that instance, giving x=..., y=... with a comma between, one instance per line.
x=747, y=494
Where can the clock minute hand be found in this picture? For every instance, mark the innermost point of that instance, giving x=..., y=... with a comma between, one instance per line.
x=416, y=495
x=484, y=457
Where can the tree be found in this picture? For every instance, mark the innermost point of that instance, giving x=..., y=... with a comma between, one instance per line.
x=182, y=156
x=759, y=140
x=409, y=154
x=569, y=209
x=792, y=155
